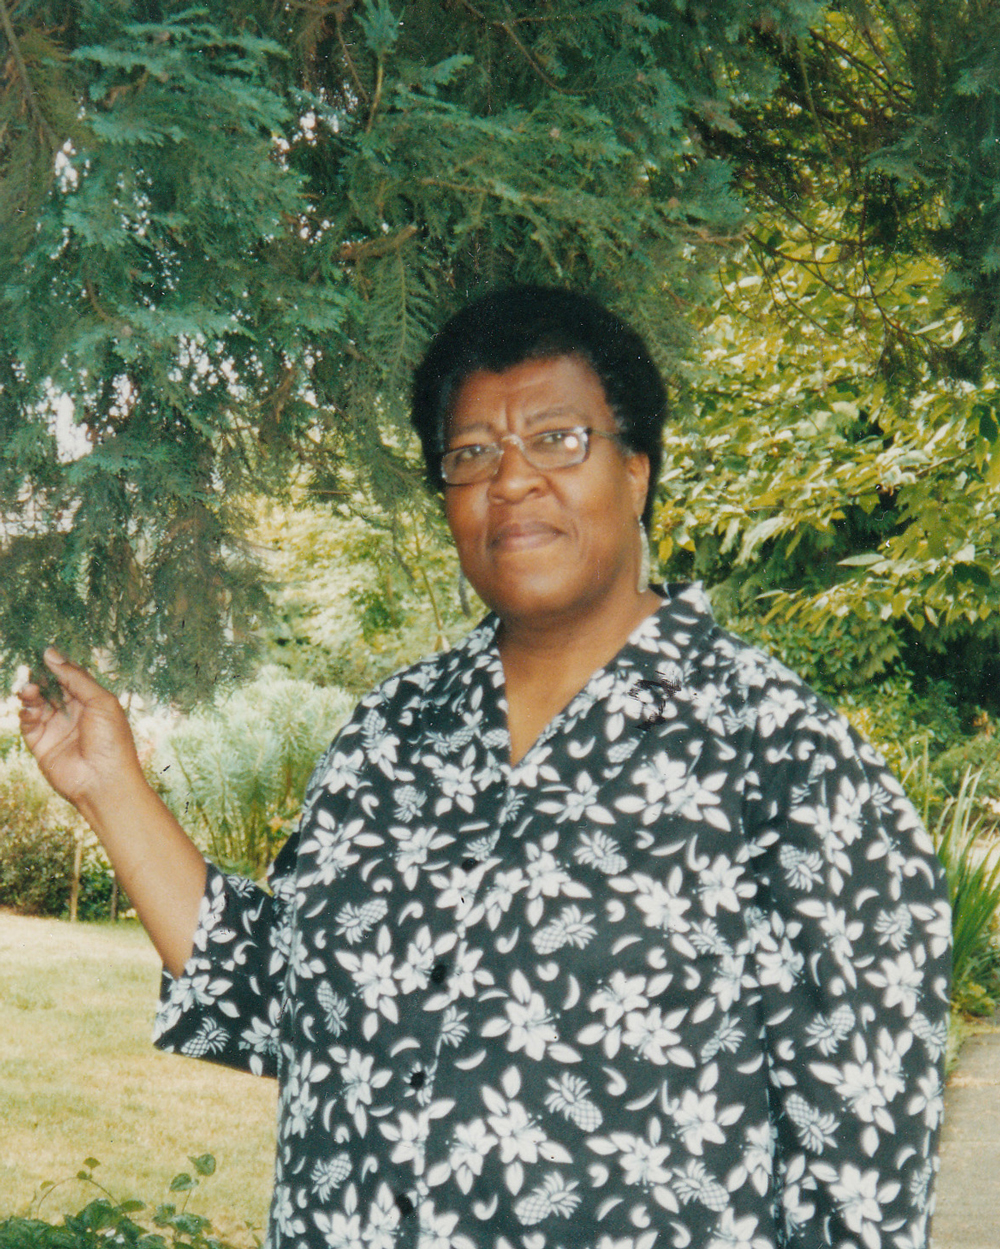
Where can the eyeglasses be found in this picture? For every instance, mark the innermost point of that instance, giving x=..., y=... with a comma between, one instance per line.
x=551, y=449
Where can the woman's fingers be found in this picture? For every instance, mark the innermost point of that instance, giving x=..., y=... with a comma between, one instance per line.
x=73, y=680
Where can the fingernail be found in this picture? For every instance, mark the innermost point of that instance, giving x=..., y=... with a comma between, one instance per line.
x=53, y=656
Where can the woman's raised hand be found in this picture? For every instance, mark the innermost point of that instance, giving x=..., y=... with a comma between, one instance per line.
x=86, y=752
x=85, y=749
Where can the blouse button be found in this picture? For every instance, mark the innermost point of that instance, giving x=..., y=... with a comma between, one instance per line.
x=404, y=1205
x=439, y=973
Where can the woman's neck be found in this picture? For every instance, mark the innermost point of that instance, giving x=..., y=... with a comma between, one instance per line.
x=546, y=664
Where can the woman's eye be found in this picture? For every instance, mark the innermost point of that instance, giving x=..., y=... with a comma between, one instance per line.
x=557, y=438
x=467, y=455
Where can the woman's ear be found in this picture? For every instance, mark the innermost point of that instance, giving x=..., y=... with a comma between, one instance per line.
x=637, y=467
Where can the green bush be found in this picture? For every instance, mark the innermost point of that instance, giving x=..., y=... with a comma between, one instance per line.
x=36, y=846
x=981, y=754
x=107, y=1220
x=234, y=775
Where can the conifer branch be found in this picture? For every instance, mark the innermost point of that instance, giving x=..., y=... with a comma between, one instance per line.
x=378, y=246
x=377, y=98
x=22, y=73
x=508, y=28
x=349, y=60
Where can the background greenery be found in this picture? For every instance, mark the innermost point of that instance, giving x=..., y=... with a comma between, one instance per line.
x=230, y=229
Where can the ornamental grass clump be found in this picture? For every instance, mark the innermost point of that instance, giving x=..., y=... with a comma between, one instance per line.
x=972, y=866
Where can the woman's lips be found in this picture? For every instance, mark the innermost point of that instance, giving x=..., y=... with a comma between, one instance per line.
x=523, y=535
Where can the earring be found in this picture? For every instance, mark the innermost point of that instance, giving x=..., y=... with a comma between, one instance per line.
x=642, y=582
x=463, y=593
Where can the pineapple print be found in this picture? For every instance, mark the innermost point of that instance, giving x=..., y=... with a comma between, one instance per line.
x=570, y=1096
x=570, y=927
x=552, y=1196
x=354, y=921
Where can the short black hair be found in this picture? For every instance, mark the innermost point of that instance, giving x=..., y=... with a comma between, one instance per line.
x=506, y=327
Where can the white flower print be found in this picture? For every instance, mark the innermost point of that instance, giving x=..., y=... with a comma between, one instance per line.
x=748, y=967
x=472, y=1142
x=299, y=1099
x=332, y=848
x=894, y=927
x=454, y=783
x=521, y=1138
x=343, y=771
x=698, y=1116
x=860, y=1196
x=902, y=979
x=547, y=878
x=340, y=1231
x=643, y=1160
x=730, y=979
x=383, y=1220
x=372, y=973
x=619, y=995
x=652, y=1035
x=929, y=1099
x=662, y=903
x=413, y=973
x=528, y=1024
x=721, y=885
x=359, y=1082
x=414, y=847
x=283, y=1213
x=734, y=1233
x=577, y=803
x=498, y=899
x=437, y=1230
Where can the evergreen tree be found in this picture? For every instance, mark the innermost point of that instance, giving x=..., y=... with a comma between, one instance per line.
x=228, y=231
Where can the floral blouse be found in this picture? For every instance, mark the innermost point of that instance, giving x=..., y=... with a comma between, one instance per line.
x=678, y=978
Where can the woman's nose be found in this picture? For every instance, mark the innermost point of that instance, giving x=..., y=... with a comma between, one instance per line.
x=514, y=472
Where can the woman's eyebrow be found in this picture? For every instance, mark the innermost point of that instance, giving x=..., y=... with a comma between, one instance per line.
x=535, y=418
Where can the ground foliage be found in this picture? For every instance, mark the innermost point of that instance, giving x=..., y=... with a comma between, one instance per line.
x=107, y=1219
x=230, y=228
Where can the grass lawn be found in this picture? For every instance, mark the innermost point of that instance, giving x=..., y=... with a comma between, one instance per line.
x=79, y=1078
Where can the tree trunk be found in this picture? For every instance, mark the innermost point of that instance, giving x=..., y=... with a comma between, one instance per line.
x=74, y=884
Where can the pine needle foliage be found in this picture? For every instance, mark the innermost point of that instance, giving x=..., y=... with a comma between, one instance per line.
x=228, y=230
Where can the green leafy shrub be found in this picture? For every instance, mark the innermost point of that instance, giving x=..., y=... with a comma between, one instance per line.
x=982, y=755
x=36, y=841
x=107, y=1220
x=234, y=775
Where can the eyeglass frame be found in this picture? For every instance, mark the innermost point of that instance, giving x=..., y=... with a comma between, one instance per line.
x=495, y=449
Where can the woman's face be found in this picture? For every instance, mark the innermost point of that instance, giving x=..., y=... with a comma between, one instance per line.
x=554, y=546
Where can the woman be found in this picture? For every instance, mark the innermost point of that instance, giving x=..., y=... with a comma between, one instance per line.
x=599, y=930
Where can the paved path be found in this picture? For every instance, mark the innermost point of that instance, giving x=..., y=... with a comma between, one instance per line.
x=968, y=1191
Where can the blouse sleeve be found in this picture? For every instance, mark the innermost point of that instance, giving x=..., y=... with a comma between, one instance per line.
x=851, y=943
x=226, y=1005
